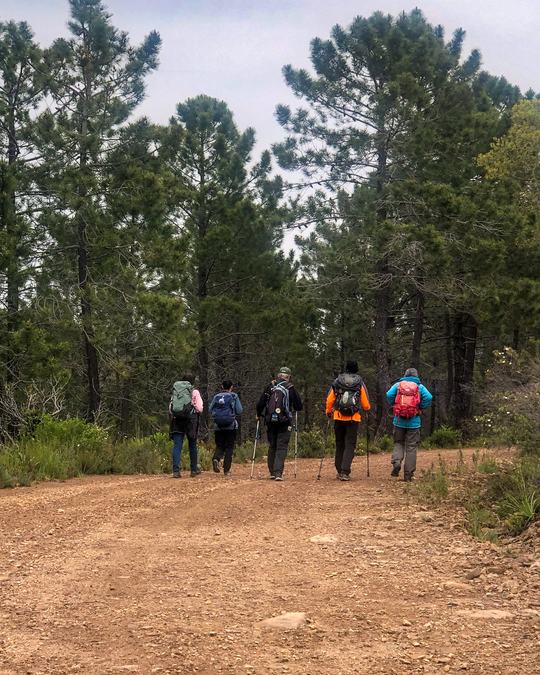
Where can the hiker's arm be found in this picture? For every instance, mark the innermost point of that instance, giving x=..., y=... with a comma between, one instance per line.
x=261, y=405
x=238, y=409
x=364, y=398
x=196, y=401
x=391, y=394
x=330, y=400
x=425, y=397
x=296, y=401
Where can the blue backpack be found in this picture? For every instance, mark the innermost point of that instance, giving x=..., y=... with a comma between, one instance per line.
x=223, y=410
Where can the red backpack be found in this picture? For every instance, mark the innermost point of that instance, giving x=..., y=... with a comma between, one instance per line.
x=407, y=403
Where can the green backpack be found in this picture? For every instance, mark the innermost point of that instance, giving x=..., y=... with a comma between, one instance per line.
x=181, y=406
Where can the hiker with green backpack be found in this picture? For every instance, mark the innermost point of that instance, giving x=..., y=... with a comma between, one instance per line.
x=225, y=409
x=184, y=409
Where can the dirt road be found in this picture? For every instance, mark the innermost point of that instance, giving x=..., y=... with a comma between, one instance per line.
x=152, y=575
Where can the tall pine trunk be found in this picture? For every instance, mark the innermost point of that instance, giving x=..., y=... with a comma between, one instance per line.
x=8, y=214
x=90, y=355
x=383, y=292
x=418, y=330
x=449, y=364
x=465, y=338
x=382, y=303
x=202, y=292
x=9, y=218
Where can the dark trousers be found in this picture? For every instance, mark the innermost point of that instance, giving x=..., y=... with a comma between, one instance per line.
x=346, y=435
x=278, y=444
x=225, y=439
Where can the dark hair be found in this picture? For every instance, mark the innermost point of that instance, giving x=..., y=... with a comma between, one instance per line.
x=227, y=384
x=351, y=367
x=411, y=372
x=188, y=377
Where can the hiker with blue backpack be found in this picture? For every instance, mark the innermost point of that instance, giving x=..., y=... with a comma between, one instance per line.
x=184, y=409
x=225, y=409
x=277, y=404
x=408, y=397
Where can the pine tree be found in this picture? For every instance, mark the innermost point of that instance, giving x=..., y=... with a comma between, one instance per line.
x=226, y=213
x=22, y=77
x=375, y=85
x=98, y=82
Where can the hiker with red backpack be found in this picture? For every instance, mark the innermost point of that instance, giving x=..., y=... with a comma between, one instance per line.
x=225, y=408
x=346, y=398
x=184, y=409
x=277, y=403
x=409, y=397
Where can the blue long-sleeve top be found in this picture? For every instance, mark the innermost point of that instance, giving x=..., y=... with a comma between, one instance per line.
x=425, y=401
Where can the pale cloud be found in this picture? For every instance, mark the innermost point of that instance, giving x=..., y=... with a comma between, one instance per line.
x=235, y=49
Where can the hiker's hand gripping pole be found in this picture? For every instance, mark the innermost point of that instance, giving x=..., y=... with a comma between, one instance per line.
x=255, y=447
x=295, y=440
x=367, y=443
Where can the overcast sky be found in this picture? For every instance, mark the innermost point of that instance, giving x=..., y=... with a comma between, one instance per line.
x=235, y=49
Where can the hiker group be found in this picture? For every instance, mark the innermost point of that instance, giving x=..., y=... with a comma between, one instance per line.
x=278, y=408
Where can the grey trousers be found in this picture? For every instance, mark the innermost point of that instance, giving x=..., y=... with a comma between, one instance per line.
x=405, y=444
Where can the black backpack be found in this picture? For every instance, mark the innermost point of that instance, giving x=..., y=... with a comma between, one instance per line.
x=278, y=407
x=347, y=388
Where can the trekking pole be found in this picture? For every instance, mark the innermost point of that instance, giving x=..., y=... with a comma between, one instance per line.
x=324, y=449
x=367, y=443
x=255, y=448
x=295, y=440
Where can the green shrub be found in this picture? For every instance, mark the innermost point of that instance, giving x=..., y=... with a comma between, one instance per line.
x=519, y=509
x=512, y=492
x=5, y=477
x=482, y=523
x=487, y=464
x=433, y=484
x=243, y=452
x=150, y=454
x=382, y=444
x=312, y=443
x=443, y=437
x=57, y=450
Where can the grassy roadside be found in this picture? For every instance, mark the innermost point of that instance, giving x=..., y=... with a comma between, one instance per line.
x=497, y=498
x=57, y=450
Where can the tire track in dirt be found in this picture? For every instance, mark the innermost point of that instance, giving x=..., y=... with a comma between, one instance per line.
x=148, y=574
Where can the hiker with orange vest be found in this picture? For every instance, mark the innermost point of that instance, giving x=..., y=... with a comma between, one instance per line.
x=347, y=396
x=409, y=397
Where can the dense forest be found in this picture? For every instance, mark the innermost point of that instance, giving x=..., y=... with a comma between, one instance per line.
x=131, y=252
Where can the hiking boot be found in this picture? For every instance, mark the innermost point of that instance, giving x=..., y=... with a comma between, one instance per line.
x=196, y=472
x=272, y=476
x=338, y=476
x=344, y=476
x=177, y=474
x=408, y=477
x=395, y=472
x=215, y=465
x=278, y=476
x=226, y=473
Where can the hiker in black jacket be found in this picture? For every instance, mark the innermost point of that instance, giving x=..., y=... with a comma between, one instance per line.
x=277, y=403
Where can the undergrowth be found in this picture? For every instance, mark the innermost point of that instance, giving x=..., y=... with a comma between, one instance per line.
x=497, y=498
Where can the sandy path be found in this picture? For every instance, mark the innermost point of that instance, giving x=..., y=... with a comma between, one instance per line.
x=147, y=574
